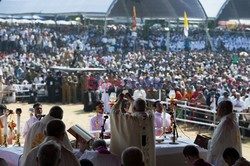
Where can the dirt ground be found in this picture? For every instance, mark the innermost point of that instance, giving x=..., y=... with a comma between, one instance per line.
x=74, y=114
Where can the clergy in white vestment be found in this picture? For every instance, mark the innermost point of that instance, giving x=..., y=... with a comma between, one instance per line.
x=139, y=93
x=227, y=134
x=37, y=109
x=104, y=89
x=133, y=129
x=36, y=134
x=55, y=130
x=161, y=119
x=100, y=156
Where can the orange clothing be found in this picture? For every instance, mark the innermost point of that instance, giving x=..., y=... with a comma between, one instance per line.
x=188, y=96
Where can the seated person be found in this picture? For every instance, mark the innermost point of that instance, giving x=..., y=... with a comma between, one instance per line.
x=191, y=154
x=96, y=121
x=100, y=156
x=232, y=158
x=86, y=162
x=159, y=119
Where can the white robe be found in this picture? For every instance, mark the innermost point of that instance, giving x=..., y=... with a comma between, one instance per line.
x=28, y=125
x=227, y=134
x=139, y=94
x=105, y=96
x=36, y=135
x=126, y=131
x=67, y=157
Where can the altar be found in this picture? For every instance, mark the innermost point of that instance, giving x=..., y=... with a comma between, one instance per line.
x=172, y=153
x=166, y=153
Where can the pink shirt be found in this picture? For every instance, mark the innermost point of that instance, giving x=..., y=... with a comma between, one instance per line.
x=159, y=122
x=100, y=119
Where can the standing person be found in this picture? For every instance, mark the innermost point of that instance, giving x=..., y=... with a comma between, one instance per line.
x=1, y=88
x=65, y=85
x=50, y=83
x=69, y=80
x=37, y=117
x=83, y=86
x=104, y=89
x=74, y=87
x=139, y=93
x=96, y=121
x=159, y=119
x=133, y=129
x=227, y=134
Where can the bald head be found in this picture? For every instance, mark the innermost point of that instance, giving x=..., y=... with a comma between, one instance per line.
x=139, y=105
x=132, y=156
x=55, y=128
x=56, y=112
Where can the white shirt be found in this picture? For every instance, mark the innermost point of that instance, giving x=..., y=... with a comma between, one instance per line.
x=238, y=104
x=139, y=94
x=28, y=125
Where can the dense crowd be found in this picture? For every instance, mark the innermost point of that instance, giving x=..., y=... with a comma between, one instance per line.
x=137, y=61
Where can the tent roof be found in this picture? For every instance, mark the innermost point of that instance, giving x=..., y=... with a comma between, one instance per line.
x=235, y=9
x=53, y=7
x=212, y=7
x=158, y=9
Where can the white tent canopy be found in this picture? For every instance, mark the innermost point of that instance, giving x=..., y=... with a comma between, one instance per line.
x=212, y=7
x=56, y=7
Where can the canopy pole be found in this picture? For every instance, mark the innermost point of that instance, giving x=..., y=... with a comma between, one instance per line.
x=168, y=36
x=105, y=26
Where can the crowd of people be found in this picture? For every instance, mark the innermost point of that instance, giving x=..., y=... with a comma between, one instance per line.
x=135, y=63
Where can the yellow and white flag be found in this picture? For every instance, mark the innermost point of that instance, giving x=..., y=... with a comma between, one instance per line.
x=185, y=24
x=134, y=19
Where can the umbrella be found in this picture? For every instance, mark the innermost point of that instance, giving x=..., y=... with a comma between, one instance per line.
x=243, y=54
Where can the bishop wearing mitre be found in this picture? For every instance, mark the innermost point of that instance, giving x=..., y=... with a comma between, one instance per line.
x=134, y=128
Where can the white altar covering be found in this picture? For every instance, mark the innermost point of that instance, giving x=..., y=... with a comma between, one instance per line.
x=165, y=153
x=12, y=155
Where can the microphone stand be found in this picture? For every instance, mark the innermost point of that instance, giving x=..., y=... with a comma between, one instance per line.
x=175, y=133
x=103, y=129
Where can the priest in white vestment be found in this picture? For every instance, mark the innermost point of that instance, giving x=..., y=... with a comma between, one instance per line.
x=36, y=134
x=55, y=131
x=133, y=129
x=37, y=109
x=139, y=93
x=227, y=134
